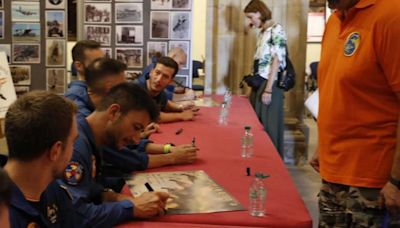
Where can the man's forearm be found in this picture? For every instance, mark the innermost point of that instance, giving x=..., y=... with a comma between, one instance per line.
x=152, y=148
x=160, y=160
x=166, y=117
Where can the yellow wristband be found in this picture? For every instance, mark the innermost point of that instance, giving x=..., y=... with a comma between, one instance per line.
x=166, y=148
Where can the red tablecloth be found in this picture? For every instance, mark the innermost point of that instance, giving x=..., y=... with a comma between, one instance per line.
x=219, y=157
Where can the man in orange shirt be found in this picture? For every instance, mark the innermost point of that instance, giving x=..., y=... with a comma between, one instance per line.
x=359, y=112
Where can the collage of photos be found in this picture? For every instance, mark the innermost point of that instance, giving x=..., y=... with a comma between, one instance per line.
x=36, y=40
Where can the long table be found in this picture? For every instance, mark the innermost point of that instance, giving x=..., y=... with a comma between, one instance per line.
x=219, y=157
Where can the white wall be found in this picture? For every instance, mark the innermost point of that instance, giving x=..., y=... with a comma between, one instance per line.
x=313, y=53
x=199, y=8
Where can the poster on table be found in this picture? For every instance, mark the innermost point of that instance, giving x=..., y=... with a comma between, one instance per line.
x=7, y=91
x=190, y=192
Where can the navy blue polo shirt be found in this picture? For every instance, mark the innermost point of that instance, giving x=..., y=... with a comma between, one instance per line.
x=161, y=99
x=77, y=92
x=85, y=188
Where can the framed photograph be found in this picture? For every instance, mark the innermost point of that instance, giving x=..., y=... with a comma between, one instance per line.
x=99, y=33
x=25, y=53
x=21, y=74
x=97, y=13
x=56, y=4
x=160, y=4
x=132, y=75
x=155, y=49
x=129, y=0
x=128, y=13
x=55, y=80
x=129, y=35
x=107, y=52
x=21, y=90
x=181, y=4
x=132, y=57
x=159, y=25
x=1, y=24
x=55, y=24
x=185, y=45
x=25, y=32
x=55, y=52
x=181, y=80
x=25, y=11
x=7, y=49
x=180, y=25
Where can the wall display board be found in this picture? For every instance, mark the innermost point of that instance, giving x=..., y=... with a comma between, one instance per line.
x=33, y=35
x=133, y=31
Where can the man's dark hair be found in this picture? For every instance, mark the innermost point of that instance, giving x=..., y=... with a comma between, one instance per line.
x=130, y=97
x=78, y=51
x=5, y=188
x=35, y=122
x=168, y=62
x=100, y=69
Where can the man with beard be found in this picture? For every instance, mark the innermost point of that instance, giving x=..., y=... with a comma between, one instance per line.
x=358, y=120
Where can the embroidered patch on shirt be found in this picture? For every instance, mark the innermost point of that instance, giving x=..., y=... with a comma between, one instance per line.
x=351, y=44
x=73, y=173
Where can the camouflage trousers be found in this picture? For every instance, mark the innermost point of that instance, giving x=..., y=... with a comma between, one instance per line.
x=346, y=206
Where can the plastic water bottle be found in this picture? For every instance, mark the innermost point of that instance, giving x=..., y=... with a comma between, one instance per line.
x=228, y=97
x=247, y=143
x=223, y=115
x=258, y=196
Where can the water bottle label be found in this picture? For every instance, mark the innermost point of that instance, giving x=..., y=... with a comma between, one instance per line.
x=253, y=194
x=262, y=193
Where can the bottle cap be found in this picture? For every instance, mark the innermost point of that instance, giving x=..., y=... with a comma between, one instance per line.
x=247, y=127
x=261, y=175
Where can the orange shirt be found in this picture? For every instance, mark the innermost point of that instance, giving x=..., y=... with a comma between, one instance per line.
x=358, y=78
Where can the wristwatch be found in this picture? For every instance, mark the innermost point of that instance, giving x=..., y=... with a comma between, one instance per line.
x=395, y=182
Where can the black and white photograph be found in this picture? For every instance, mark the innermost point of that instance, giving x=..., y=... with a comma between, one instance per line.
x=99, y=33
x=155, y=50
x=132, y=75
x=55, y=24
x=185, y=45
x=181, y=80
x=1, y=24
x=180, y=25
x=25, y=53
x=55, y=52
x=181, y=4
x=25, y=11
x=159, y=25
x=55, y=4
x=21, y=90
x=7, y=49
x=128, y=13
x=161, y=4
x=129, y=35
x=132, y=57
x=97, y=12
x=21, y=74
x=55, y=80
x=25, y=32
x=107, y=52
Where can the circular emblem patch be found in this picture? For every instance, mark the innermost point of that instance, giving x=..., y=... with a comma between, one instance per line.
x=352, y=43
x=73, y=173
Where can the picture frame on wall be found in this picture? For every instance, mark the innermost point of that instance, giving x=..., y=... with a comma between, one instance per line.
x=132, y=75
x=55, y=52
x=128, y=13
x=25, y=32
x=99, y=33
x=131, y=35
x=55, y=24
x=21, y=74
x=132, y=57
x=1, y=24
x=159, y=21
x=99, y=13
x=180, y=25
x=21, y=90
x=160, y=4
x=107, y=52
x=25, y=11
x=25, y=53
x=55, y=4
x=182, y=80
x=181, y=5
x=185, y=45
x=55, y=80
x=7, y=49
x=156, y=49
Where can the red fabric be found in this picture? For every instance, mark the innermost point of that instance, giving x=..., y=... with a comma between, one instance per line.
x=219, y=157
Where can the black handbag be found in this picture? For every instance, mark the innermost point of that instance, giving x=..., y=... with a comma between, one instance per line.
x=253, y=80
x=287, y=77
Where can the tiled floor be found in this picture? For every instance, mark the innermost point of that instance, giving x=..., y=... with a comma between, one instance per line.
x=306, y=179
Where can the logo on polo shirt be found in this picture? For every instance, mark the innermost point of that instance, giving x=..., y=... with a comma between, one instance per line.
x=73, y=173
x=352, y=43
